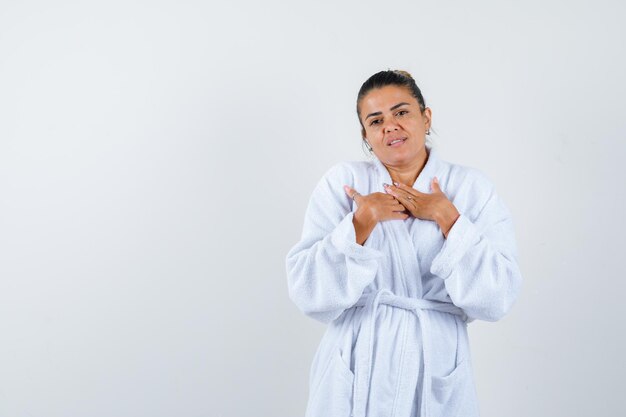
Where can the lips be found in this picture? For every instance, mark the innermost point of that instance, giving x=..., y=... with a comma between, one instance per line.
x=391, y=140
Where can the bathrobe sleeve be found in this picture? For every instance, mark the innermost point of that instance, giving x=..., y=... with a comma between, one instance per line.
x=327, y=270
x=478, y=259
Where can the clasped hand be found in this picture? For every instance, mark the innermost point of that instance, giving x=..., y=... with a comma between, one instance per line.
x=400, y=201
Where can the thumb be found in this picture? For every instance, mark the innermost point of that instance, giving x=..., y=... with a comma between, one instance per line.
x=434, y=185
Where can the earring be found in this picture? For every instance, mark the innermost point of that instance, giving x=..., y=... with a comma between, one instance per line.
x=367, y=144
x=428, y=132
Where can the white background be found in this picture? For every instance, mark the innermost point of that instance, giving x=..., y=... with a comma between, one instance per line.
x=156, y=159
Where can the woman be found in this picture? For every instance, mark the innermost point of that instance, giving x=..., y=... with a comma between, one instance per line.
x=397, y=271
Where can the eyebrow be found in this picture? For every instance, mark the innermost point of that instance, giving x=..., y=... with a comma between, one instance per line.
x=391, y=108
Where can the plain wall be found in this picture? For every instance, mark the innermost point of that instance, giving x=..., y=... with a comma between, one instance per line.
x=156, y=159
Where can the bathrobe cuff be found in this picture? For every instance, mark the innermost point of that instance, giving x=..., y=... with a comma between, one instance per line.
x=462, y=235
x=343, y=237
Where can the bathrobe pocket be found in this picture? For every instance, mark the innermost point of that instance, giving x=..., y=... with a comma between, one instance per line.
x=333, y=394
x=450, y=392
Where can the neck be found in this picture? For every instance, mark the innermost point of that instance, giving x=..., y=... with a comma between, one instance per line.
x=407, y=174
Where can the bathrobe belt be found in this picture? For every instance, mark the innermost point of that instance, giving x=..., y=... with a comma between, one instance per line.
x=364, y=349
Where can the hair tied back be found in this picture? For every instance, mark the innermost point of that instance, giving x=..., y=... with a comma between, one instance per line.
x=403, y=73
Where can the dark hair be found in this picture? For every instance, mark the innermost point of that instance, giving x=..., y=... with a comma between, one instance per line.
x=389, y=77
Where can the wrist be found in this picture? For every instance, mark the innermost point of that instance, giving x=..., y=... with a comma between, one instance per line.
x=446, y=218
x=363, y=218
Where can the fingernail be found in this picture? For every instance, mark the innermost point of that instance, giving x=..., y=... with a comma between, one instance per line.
x=385, y=185
x=395, y=183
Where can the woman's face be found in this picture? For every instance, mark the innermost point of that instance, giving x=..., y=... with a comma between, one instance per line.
x=389, y=113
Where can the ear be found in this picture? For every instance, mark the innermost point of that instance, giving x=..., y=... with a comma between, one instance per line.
x=427, y=115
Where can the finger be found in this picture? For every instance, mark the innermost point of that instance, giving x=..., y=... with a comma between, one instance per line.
x=401, y=188
x=352, y=193
x=400, y=216
x=401, y=194
x=399, y=209
x=407, y=189
x=395, y=208
x=397, y=205
x=387, y=193
x=403, y=207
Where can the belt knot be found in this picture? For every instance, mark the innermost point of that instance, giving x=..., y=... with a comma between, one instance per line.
x=365, y=348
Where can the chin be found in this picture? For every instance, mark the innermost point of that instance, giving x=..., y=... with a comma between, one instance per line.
x=404, y=157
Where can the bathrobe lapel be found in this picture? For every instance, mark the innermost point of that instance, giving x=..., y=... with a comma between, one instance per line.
x=400, y=236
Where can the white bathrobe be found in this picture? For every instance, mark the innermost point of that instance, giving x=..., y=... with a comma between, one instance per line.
x=397, y=307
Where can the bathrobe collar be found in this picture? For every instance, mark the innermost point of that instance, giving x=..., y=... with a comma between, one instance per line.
x=405, y=245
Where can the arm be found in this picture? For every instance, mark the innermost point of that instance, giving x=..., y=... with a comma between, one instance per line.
x=478, y=260
x=327, y=270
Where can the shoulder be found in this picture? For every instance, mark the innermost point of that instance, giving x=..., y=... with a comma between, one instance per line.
x=329, y=197
x=330, y=187
x=474, y=193
x=345, y=171
x=469, y=188
x=469, y=178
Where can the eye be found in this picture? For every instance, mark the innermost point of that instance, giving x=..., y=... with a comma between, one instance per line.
x=401, y=112
x=374, y=122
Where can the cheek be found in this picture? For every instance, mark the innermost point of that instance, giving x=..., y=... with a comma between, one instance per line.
x=416, y=125
x=374, y=133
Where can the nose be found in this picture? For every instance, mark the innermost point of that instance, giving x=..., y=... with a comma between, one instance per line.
x=390, y=126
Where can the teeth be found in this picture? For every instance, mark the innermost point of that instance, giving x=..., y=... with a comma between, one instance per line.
x=394, y=141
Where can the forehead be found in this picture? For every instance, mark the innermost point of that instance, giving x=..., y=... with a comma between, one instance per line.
x=381, y=99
